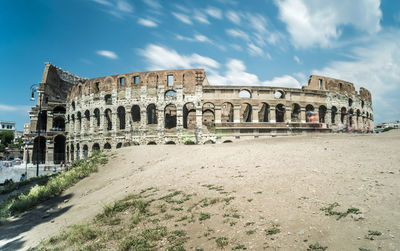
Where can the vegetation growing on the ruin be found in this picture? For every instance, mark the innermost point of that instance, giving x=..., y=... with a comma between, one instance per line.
x=53, y=187
x=329, y=211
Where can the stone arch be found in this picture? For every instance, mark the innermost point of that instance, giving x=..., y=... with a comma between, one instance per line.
x=351, y=114
x=151, y=114
x=189, y=116
x=170, y=94
x=97, y=117
x=96, y=147
x=42, y=121
x=296, y=110
x=170, y=116
x=280, y=113
x=227, y=112
x=310, y=113
x=244, y=93
x=152, y=143
x=209, y=142
x=108, y=119
x=263, y=112
x=121, y=117
x=279, y=94
x=107, y=146
x=59, y=110
x=73, y=105
x=208, y=118
x=227, y=141
x=85, y=151
x=246, y=113
x=126, y=144
x=59, y=149
x=333, y=114
x=79, y=121
x=87, y=119
x=321, y=113
x=119, y=145
x=58, y=124
x=170, y=143
x=343, y=113
x=78, y=152
x=135, y=113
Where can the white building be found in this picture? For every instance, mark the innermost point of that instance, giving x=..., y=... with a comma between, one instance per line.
x=7, y=126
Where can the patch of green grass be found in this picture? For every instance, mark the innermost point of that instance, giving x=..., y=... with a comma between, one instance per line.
x=250, y=232
x=177, y=208
x=372, y=234
x=249, y=200
x=204, y=216
x=209, y=201
x=154, y=234
x=232, y=223
x=131, y=243
x=239, y=247
x=182, y=218
x=236, y=216
x=80, y=234
x=258, y=192
x=228, y=200
x=214, y=187
x=364, y=249
x=163, y=208
x=250, y=223
x=316, y=247
x=329, y=211
x=222, y=242
x=55, y=185
x=273, y=230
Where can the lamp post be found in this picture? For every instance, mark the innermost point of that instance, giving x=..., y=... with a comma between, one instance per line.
x=35, y=88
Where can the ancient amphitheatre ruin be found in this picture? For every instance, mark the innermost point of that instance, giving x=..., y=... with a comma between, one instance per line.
x=82, y=115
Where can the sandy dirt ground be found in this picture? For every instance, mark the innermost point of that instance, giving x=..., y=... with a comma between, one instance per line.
x=282, y=181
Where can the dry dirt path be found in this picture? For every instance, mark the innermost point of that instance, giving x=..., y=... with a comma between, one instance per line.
x=283, y=181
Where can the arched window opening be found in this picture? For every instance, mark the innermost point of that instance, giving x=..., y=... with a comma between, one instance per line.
x=85, y=151
x=279, y=94
x=351, y=113
x=96, y=87
x=322, y=113
x=170, y=143
x=79, y=121
x=263, y=113
x=362, y=103
x=78, y=152
x=350, y=102
x=121, y=81
x=135, y=113
x=87, y=119
x=72, y=153
x=280, y=113
x=227, y=112
x=170, y=80
x=126, y=144
x=320, y=84
x=97, y=117
x=151, y=114
x=107, y=146
x=171, y=94
x=59, y=110
x=189, y=116
x=95, y=147
x=342, y=114
x=41, y=146
x=42, y=121
x=170, y=116
x=152, y=143
x=311, y=114
x=108, y=118
x=121, y=117
x=119, y=145
x=246, y=112
x=136, y=80
x=244, y=94
x=73, y=105
x=295, y=116
x=58, y=124
x=208, y=118
x=108, y=99
x=333, y=114
x=340, y=86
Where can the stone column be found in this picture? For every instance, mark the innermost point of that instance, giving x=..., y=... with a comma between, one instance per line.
x=128, y=120
x=114, y=121
x=49, y=122
x=199, y=115
x=92, y=122
x=288, y=114
x=272, y=114
x=236, y=114
x=49, y=152
x=218, y=114
x=254, y=115
x=102, y=120
x=303, y=114
x=328, y=121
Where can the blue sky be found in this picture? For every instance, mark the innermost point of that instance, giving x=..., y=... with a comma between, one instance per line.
x=258, y=42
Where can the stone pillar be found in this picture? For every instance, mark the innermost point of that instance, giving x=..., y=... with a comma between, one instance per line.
x=303, y=114
x=328, y=121
x=49, y=122
x=199, y=115
x=272, y=114
x=92, y=123
x=254, y=114
x=114, y=121
x=179, y=117
x=236, y=114
x=288, y=114
x=218, y=114
x=102, y=120
x=49, y=152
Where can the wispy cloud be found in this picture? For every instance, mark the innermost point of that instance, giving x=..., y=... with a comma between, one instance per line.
x=14, y=108
x=153, y=3
x=182, y=17
x=238, y=33
x=160, y=57
x=297, y=59
x=255, y=50
x=107, y=54
x=214, y=12
x=147, y=22
x=233, y=16
x=201, y=17
x=117, y=8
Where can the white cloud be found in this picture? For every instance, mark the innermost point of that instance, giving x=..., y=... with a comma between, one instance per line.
x=103, y=2
x=153, y=3
x=254, y=50
x=196, y=38
x=202, y=38
x=124, y=6
x=161, y=58
x=107, y=54
x=238, y=33
x=297, y=59
x=375, y=66
x=147, y=22
x=14, y=108
x=236, y=75
x=117, y=8
x=182, y=17
x=233, y=17
x=214, y=12
x=201, y=17
x=315, y=22
x=257, y=22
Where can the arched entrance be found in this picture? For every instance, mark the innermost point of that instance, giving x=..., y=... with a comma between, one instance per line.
x=41, y=146
x=59, y=149
x=170, y=116
x=85, y=151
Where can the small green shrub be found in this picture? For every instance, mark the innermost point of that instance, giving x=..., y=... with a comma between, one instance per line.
x=222, y=242
x=316, y=247
x=204, y=216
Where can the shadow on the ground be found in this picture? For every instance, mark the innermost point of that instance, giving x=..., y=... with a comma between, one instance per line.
x=11, y=231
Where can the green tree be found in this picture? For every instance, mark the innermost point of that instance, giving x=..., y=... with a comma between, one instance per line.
x=6, y=137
